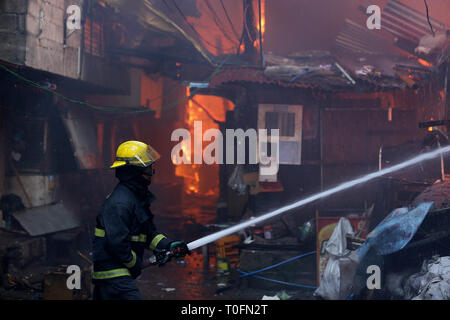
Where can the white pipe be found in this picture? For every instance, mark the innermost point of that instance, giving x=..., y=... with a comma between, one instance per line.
x=345, y=73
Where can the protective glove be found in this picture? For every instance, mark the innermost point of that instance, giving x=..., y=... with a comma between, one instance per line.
x=178, y=249
x=162, y=257
x=135, y=271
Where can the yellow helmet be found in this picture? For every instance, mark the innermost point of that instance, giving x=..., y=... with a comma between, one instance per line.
x=135, y=153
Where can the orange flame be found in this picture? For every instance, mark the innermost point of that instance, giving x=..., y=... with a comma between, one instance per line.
x=196, y=176
x=430, y=128
x=424, y=62
x=263, y=17
x=263, y=22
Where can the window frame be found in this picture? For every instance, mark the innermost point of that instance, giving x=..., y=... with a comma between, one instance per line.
x=280, y=108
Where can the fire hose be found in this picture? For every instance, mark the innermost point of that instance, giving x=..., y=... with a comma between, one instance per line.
x=162, y=257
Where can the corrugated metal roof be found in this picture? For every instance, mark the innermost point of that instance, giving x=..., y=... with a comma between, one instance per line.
x=148, y=16
x=405, y=22
x=46, y=219
x=328, y=80
x=249, y=74
x=358, y=38
x=398, y=21
x=392, y=52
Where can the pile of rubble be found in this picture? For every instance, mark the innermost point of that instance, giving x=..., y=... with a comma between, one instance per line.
x=406, y=256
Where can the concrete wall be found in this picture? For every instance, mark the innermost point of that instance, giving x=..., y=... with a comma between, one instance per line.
x=45, y=49
x=12, y=30
x=32, y=34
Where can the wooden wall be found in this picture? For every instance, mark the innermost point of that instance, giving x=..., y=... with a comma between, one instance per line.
x=344, y=136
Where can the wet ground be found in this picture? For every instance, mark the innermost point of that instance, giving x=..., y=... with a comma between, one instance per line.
x=191, y=278
x=186, y=280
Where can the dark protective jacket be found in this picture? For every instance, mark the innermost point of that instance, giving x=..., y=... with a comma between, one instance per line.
x=124, y=229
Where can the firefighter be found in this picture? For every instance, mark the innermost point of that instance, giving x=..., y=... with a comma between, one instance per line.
x=124, y=226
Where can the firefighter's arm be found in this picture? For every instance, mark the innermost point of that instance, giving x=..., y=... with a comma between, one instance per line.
x=117, y=221
x=160, y=242
x=156, y=240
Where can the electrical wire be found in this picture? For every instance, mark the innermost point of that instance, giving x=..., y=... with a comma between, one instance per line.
x=215, y=21
x=245, y=22
x=111, y=109
x=187, y=22
x=218, y=23
x=208, y=113
x=244, y=25
x=428, y=17
x=193, y=29
x=37, y=85
x=229, y=19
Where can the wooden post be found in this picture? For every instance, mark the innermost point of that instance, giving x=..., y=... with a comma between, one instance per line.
x=21, y=185
x=205, y=253
x=250, y=32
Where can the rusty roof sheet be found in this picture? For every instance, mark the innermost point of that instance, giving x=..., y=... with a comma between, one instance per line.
x=250, y=74
x=328, y=78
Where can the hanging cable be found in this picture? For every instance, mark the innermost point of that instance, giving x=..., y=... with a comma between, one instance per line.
x=244, y=27
x=37, y=85
x=428, y=17
x=229, y=20
x=208, y=113
x=195, y=30
x=110, y=109
x=245, y=22
x=218, y=23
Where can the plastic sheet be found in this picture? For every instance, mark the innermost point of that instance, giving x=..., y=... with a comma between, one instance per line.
x=235, y=181
x=432, y=283
x=337, y=280
x=396, y=230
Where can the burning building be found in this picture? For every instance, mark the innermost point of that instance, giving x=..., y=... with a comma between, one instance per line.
x=81, y=77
